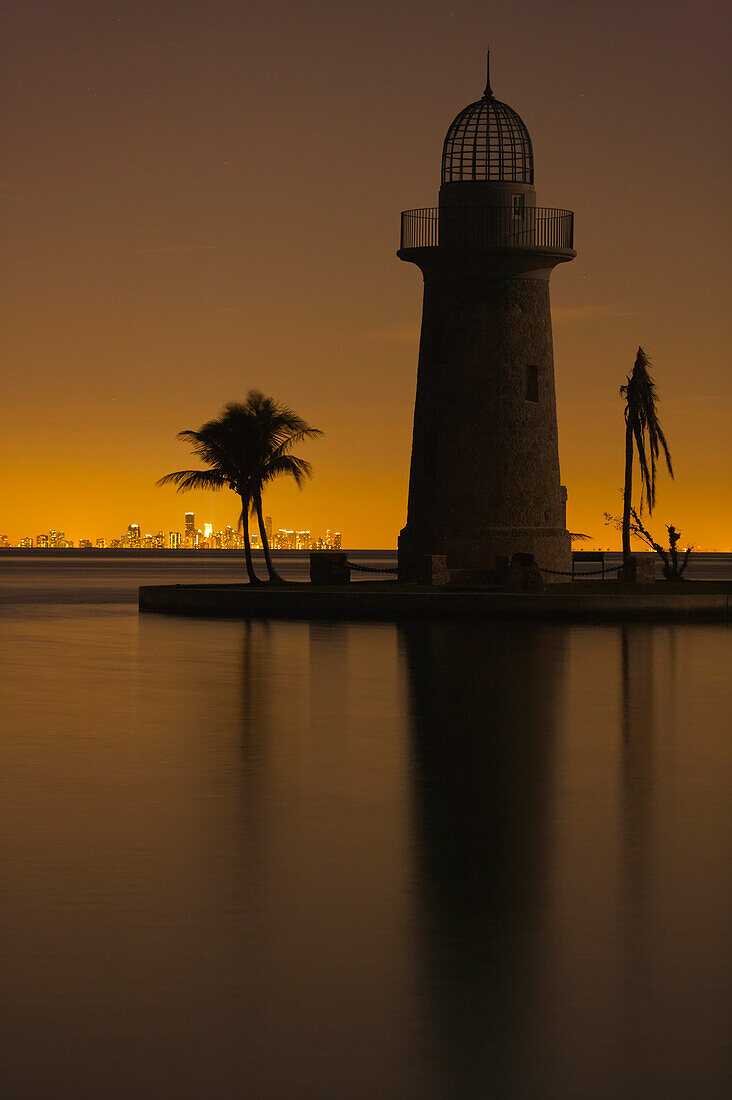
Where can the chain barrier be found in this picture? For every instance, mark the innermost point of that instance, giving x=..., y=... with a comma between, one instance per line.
x=371, y=569
x=582, y=573
x=554, y=572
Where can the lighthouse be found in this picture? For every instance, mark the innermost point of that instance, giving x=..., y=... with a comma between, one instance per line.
x=484, y=479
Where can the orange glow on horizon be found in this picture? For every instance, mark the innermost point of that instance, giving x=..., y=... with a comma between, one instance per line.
x=184, y=232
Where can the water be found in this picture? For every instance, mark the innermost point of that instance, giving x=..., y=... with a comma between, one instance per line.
x=333, y=860
x=58, y=578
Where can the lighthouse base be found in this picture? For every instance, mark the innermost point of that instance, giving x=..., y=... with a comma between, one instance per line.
x=480, y=550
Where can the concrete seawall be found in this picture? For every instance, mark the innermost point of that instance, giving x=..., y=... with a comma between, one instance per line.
x=391, y=603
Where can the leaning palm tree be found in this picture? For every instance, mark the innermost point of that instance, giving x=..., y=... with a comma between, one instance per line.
x=642, y=428
x=276, y=430
x=246, y=447
x=215, y=443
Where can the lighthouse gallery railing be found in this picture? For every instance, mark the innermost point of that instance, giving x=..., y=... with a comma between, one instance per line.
x=487, y=227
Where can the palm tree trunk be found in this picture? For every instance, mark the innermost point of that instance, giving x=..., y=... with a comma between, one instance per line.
x=627, y=491
x=253, y=578
x=273, y=574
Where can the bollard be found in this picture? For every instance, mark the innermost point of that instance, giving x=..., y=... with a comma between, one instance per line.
x=524, y=574
x=329, y=567
x=638, y=571
x=432, y=569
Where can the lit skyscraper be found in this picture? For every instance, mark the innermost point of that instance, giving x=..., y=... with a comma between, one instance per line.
x=190, y=528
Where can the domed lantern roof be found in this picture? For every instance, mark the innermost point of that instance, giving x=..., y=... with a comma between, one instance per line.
x=488, y=141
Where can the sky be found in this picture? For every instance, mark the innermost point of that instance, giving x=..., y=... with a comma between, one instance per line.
x=201, y=197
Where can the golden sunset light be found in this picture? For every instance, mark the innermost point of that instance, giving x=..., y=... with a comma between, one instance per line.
x=204, y=199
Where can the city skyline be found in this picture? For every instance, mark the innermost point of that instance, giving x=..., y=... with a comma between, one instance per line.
x=191, y=537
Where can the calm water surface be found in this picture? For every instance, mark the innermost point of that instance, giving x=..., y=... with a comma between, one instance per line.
x=292, y=860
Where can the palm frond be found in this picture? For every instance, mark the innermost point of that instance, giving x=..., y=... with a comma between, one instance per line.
x=296, y=468
x=641, y=413
x=274, y=422
x=292, y=440
x=194, y=479
x=246, y=446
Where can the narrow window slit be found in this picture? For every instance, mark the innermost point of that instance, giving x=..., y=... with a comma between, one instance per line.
x=532, y=383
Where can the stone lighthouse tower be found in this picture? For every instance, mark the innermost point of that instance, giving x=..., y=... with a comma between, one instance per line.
x=484, y=479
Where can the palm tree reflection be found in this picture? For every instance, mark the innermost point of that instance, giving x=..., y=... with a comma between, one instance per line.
x=637, y=761
x=637, y=1006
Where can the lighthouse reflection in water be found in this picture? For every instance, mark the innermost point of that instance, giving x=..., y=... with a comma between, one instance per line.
x=319, y=860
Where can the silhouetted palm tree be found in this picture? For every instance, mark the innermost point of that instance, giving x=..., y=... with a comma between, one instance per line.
x=276, y=430
x=216, y=444
x=643, y=428
x=246, y=447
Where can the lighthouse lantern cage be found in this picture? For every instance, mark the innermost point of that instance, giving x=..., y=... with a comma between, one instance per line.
x=488, y=141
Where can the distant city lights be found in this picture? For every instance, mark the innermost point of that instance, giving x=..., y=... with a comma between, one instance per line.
x=191, y=538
